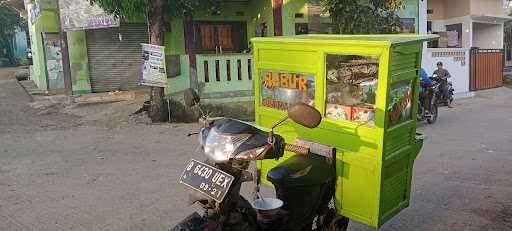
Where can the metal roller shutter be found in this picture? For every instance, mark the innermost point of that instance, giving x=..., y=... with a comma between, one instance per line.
x=114, y=64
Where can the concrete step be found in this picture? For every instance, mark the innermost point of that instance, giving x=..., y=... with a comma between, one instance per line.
x=107, y=97
x=32, y=88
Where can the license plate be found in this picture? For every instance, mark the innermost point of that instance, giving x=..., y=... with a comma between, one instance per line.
x=207, y=179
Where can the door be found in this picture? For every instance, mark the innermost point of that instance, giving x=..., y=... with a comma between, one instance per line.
x=220, y=37
x=114, y=57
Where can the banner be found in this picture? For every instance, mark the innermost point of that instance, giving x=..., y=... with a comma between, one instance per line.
x=153, y=71
x=453, y=38
x=81, y=15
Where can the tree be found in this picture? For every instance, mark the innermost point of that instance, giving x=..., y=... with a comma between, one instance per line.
x=158, y=13
x=9, y=22
x=364, y=17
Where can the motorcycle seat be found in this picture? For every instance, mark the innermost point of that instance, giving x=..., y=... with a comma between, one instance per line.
x=301, y=170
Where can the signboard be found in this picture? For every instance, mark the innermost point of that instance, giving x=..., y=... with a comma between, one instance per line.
x=280, y=90
x=153, y=72
x=81, y=15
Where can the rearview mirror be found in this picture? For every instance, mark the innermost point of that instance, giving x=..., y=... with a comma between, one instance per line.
x=191, y=97
x=305, y=115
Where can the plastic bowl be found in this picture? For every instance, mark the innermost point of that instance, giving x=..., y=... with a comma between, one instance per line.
x=267, y=204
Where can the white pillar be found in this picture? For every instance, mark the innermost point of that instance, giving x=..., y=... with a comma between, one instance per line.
x=422, y=16
x=502, y=36
x=422, y=27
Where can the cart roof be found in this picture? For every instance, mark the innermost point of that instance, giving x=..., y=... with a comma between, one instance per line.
x=380, y=39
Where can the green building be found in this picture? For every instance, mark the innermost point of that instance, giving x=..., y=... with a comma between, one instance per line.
x=209, y=51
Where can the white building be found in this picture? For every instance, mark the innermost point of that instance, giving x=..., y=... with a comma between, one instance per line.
x=462, y=25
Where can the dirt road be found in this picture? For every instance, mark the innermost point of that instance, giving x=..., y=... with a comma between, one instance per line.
x=96, y=169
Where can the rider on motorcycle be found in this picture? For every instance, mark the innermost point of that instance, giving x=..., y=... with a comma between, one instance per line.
x=444, y=75
x=425, y=84
x=424, y=81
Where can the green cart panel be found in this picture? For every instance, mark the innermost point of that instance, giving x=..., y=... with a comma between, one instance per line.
x=367, y=89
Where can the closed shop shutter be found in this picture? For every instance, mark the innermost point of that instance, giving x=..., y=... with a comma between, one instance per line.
x=114, y=64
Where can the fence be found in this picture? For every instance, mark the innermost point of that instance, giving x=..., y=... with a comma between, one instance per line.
x=486, y=69
x=225, y=75
x=456, y=61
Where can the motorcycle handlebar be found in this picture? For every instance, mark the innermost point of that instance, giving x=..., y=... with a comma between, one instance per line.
x=296, y=149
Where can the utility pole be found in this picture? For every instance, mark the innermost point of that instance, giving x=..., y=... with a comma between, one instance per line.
x=64, y=51
x=65, y=62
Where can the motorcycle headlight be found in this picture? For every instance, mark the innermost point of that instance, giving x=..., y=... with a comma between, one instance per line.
x=220, y=146
x=252, y=154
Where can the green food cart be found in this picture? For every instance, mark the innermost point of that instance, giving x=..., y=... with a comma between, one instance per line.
x=366, y=88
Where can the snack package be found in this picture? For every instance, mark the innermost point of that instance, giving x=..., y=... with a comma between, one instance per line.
x=338, y=112
x=363, y=114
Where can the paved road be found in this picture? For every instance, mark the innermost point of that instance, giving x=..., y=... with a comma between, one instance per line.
x=64, y=172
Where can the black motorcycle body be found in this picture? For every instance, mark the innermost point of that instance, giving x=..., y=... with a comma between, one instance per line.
x=304, y=183
x=428, y=103
x=440, y=98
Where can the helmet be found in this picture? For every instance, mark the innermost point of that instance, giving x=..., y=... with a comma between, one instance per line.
x=439, y=63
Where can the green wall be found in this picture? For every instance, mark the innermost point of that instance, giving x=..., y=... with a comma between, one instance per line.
x=255, y=12
x=261, y=13
x=290, y=8
x=79, y=62
x=48, y=21
x=181, y=82
x=175, y=38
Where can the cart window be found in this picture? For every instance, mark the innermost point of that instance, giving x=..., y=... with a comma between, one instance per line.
x=400, y=107
x=280, y=90
x=351, y=87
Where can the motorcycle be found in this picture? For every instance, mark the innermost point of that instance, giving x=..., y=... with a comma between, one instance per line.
x=427, y=105
x=304, y=183
x=441, y=99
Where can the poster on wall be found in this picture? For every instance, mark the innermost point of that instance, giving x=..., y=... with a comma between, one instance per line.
x=453, y=38
x=53, y=58
x=153, y=72
x=81, y=15
x=34, y=9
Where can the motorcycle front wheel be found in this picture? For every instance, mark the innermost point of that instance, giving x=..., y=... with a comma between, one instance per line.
x=433, y=114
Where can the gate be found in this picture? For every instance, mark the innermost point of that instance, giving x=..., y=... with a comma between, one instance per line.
x=486, y=69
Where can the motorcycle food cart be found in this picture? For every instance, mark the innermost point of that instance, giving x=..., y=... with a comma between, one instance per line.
x=366, y=88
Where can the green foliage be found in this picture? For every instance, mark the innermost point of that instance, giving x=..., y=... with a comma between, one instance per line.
x=364, y=17
x=126, y=9
x=9, y=21
x=508, y=33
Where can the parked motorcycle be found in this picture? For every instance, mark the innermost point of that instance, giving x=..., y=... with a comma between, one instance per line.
x=304, y=183
x=441, y=99
x=427, y=105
